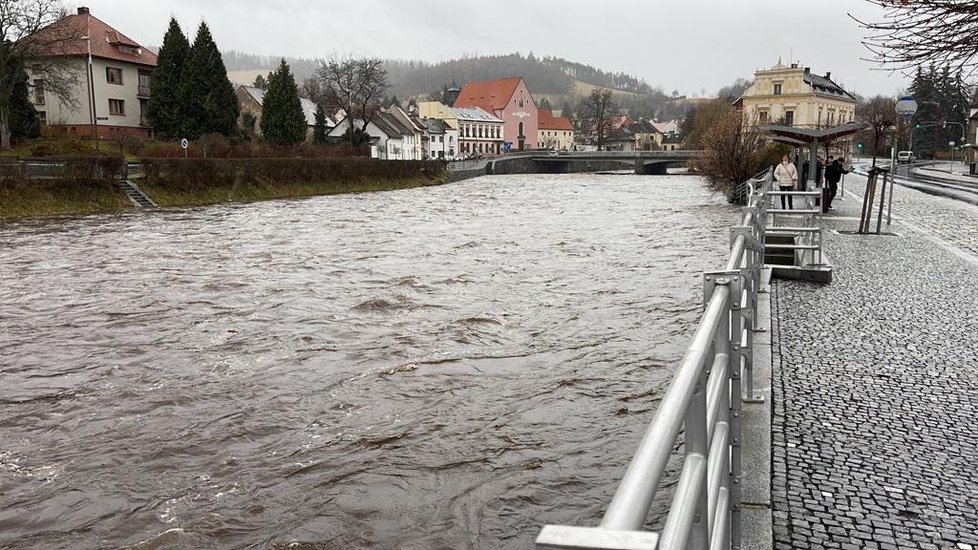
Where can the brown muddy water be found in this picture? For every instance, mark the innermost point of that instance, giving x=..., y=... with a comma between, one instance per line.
x=437, y=368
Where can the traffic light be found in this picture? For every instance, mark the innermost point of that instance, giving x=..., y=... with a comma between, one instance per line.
x=917, y=126
x=860, y=145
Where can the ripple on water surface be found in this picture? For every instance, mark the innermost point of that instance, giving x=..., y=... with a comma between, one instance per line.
x=446, y=367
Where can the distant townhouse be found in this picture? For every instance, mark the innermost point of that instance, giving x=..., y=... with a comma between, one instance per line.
x=112, y=98
x=554, y=132
x=479, y=133
x=647, y=136
x=442, y=139
x=509, y=100
x=415, y=133
x=434, y=110
x=251, y=99
x=390, y=139
x=620, y=139
x=794, y=96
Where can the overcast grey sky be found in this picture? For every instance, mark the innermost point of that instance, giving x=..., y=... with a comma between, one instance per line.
x=694, y=46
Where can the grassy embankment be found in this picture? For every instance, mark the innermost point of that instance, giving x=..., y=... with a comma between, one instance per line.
x=197, y=181
x=185, y=182
x=30, y=198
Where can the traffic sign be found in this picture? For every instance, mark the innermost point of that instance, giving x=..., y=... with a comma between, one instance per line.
x=184, y=143
x=906, y=107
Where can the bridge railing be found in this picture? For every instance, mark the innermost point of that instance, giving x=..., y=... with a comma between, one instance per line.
x=713, y=380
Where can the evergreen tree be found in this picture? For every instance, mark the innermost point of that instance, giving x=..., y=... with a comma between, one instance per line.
x=282, y=121
x=319, y=129
x=941, y=117
x=166, y=113
x=209, y=100
x=260, y=82
x=566, y=111
x=24, y=122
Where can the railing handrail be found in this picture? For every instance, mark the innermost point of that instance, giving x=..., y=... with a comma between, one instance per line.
x=704, y=398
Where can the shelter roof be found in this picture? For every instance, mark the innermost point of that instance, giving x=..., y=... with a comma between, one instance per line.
x=796, y=135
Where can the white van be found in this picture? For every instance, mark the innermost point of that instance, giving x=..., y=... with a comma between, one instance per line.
x=906, y=157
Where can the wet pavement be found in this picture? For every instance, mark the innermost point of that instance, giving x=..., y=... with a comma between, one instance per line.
x=876, y=384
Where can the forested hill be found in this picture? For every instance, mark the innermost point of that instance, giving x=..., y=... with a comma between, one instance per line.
x=546, y=76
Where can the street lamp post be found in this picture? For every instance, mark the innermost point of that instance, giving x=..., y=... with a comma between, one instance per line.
x=91, y=88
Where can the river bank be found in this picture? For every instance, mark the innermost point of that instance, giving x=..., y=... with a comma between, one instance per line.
x=198, y=182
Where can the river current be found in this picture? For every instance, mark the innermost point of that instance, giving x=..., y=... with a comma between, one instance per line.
x=440, y=368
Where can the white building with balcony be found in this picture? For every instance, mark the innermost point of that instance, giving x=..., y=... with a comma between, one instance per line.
x=113, y=97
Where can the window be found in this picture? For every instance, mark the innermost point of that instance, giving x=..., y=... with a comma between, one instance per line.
x=113, y=75
x=43, y=117
x=38, y=92
x=789, y=118
x=117, y=107
x=777, y=89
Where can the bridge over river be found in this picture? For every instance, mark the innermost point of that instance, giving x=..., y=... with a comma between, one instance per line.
x=564, y=162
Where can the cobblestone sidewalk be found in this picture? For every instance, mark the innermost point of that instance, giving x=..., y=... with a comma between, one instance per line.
x=876, y=386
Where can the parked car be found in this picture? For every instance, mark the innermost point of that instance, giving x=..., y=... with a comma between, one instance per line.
x=906, y=157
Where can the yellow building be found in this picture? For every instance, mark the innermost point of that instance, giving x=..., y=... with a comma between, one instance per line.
x=794, y=96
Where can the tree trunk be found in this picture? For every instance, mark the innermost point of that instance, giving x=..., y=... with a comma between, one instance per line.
x=5, y=129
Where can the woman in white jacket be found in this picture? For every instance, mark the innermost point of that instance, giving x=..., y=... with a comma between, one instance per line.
x=787, y=177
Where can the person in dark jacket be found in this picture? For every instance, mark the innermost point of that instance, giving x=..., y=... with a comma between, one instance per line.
x=833, y=173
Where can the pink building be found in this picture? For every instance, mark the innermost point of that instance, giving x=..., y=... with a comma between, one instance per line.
x=510, y=101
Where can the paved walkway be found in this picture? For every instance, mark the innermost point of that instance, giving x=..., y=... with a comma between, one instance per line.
x=876, y=385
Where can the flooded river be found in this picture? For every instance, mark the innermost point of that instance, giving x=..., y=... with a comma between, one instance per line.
x=437, y=368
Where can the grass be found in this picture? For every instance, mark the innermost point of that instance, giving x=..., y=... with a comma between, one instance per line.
x=221, y=193
x=22, y=199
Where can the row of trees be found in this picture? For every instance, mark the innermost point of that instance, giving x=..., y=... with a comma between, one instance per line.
x=190, y=94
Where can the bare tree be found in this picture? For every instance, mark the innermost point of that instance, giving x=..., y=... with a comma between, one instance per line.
x=36, y=39
x=879, y=113
x=732, y=153
x=358, y=84
x=912, y=33
x=596, y=115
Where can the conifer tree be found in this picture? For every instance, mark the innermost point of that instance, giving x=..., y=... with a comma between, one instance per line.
x=165, y=102
x=208, y=96
x=24, y=122
x=282, y=120
x=319, y=129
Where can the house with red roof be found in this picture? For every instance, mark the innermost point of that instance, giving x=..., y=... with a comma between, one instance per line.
x=554, y=132
x=509, y=100
x=113, y=96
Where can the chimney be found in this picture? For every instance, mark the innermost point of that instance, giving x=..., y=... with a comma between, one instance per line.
x=82, y=11
x=828, y=75
x=794, y=65
x=808, y=70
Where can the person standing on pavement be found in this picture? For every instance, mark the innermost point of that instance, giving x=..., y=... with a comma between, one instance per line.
x=833, y=173
x=787, y=177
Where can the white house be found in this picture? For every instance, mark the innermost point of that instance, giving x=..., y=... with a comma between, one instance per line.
x=442, y=139
x=114, y=96
x=389, y=139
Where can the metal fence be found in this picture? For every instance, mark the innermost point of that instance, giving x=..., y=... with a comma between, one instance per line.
x=713, y=380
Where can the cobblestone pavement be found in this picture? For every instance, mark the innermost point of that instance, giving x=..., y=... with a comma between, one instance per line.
x=876, y=387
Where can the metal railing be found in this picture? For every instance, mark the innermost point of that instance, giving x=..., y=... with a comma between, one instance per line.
x=806, y=245
x=713, y=380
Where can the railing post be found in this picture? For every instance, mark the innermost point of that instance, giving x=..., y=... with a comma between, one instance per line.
x=736, y=400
